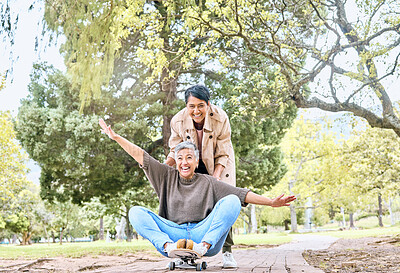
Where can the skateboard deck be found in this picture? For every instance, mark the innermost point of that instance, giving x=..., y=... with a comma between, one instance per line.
x=188, y=258
x=184, y=253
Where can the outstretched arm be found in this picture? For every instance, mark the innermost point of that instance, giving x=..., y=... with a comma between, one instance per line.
x=133, y=150
x=280, y=201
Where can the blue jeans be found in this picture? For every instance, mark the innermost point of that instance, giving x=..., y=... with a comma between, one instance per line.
x=213, y=229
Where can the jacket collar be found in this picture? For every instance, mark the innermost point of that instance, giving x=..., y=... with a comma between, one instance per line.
x=212, y=113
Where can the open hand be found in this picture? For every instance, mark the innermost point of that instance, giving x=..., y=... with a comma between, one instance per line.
x=107, y=129
x=281, y=201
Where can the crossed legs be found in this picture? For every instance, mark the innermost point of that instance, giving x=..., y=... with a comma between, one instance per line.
x=212, y=230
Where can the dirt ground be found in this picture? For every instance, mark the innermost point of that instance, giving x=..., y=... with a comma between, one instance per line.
x=358, y=255
x=345, y=255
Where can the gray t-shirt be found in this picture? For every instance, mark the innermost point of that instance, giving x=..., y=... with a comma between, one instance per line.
x=186, y=200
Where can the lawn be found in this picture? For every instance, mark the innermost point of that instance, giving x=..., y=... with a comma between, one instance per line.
x=360, y=233
x=276, y=238
x=43, y=250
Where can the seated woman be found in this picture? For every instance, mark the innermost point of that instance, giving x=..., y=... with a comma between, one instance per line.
x=196, y=211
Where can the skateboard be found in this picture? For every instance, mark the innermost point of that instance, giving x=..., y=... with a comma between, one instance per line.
x=188, y=258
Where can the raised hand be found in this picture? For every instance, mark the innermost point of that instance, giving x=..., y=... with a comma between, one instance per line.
x=281, y=201
x=107, y=129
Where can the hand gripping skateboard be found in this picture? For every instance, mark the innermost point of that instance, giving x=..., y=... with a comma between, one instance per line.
x=188, y=258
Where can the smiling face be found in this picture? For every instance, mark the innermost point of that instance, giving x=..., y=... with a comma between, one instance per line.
x=197, y=109
x=186, y=163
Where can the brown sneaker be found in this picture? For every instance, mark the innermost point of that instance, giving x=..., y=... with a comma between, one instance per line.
x=201, y=248
x=181, y=243
x=189, y=244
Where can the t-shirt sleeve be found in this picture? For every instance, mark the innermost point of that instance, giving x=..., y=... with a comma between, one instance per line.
x=155, y=171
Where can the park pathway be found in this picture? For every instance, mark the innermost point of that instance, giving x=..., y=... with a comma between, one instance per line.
x=286, y=258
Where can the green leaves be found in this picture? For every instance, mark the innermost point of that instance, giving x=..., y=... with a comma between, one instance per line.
x=77, y=161
x=18, y=196
x=12, y=162
x=258, y=117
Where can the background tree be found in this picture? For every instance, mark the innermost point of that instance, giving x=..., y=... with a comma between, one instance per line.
x=154, y=32
x=22, y=218
x=258, y=117
x=374, y=161
x=152, y=38
x=18, y=197
x=65, y=213
x=2, y=82
x=303, y=151
x=351, y=49
x=12, y=168
x=317, y=173
x=77, y=162
x=146, y=53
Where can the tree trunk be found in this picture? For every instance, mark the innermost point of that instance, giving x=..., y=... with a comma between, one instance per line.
x=293, y=218
x=53, y=236
x=168, y=88
x=61, y=235
x=253, y=219
x=331, y=213
x=308, y=214
x=245, y=224
x=46, y=234
x=286, y=223
x=392, y=217
x=14, y=239
x=380, y=210
x=128, y=227
x=343, y=218
x=25, y=236
x=101, y=232
x=351, y=220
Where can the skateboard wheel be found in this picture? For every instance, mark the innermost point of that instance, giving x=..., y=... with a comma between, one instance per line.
x=203, y=265
x=171, y=265
x=198, y=267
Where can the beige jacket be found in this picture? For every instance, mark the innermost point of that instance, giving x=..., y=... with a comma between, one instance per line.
x=216, y=147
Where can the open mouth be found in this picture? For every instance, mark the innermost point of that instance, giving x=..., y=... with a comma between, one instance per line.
x=197, y=116
x=185, y=170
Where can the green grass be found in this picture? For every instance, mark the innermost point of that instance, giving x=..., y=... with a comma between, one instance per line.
x=73, y=249
x=102, y=248
x=262, y=239
x=360, y=233
x=368, y=222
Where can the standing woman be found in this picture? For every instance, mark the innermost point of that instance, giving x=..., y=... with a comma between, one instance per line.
x=207, y=126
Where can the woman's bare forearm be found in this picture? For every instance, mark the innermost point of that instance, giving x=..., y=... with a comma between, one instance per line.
x=280, y=201
x=133, y=150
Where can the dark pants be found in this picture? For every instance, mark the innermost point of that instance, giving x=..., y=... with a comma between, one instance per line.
x=229, y=240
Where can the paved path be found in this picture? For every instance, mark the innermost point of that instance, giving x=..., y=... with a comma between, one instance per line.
x=283, y=259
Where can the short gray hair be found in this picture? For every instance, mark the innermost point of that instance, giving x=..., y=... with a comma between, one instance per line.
x=187, y=145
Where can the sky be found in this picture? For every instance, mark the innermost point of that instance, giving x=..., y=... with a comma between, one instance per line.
x=16, y=86
x=24, y=51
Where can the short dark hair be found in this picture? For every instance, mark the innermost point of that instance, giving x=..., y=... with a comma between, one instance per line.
x=198, y=91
